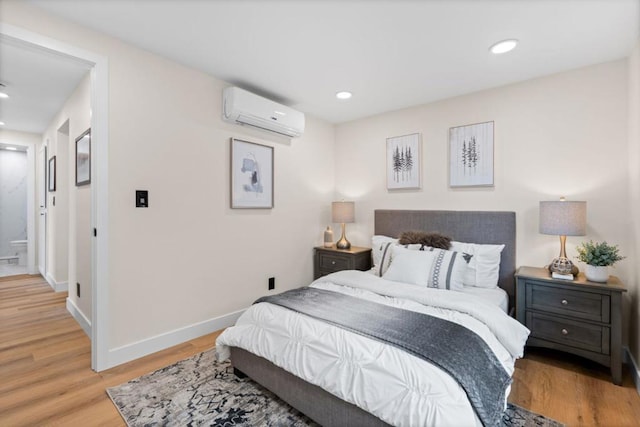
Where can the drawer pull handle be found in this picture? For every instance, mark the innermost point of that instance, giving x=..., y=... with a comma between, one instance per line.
x=565, y=302
x=333, y=263
x=565, y=332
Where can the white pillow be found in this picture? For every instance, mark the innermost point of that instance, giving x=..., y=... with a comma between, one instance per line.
x=443, y=269
x=410, y=266
x=381, y=252
x=484, y=266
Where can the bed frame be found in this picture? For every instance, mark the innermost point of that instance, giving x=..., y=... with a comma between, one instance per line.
x=463, y=226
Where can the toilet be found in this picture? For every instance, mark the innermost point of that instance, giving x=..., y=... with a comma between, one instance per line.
x=19, y=247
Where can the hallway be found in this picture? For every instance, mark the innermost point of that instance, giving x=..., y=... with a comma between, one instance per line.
x=45, y=358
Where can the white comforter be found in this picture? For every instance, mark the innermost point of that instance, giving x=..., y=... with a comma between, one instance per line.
x=397, y=387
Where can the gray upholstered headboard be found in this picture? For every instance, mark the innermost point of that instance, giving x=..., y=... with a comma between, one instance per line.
x=463, y=226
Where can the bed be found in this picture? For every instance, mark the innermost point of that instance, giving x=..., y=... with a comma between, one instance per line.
x=257, y=349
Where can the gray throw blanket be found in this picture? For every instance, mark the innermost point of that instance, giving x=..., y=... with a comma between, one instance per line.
x=455, y=349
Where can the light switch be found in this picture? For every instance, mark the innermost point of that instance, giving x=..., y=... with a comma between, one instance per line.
x=142, y=199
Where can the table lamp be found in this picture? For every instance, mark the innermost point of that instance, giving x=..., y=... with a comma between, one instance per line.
x=342, y=213
x=563, y=218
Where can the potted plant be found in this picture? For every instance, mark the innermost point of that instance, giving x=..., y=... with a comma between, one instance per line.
x=598, y=257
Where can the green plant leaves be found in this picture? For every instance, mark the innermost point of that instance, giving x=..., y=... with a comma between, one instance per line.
x=598, y=254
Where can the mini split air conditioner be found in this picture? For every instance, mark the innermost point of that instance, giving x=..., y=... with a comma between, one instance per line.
x=245, y=108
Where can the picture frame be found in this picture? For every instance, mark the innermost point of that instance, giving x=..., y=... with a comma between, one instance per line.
x=52, y=174
x=251, y=175
x=404, y=158
x=83, y=159
x=471, y=155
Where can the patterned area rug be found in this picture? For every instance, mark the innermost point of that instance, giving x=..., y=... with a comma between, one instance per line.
x=200, y=391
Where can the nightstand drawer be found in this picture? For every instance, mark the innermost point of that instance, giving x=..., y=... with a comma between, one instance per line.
x=330, y=260
x=567, y=302
x=333, y=263
x=567, y=332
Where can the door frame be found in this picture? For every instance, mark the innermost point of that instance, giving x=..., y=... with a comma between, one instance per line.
x=99, y=179
x=41, y=167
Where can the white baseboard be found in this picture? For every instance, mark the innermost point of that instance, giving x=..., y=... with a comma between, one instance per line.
x=136, y=350
x=56, y=286
x=85, y=323
x=635, y=372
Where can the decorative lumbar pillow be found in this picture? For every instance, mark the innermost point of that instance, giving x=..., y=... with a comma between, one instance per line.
x=443, y=269
x=434, y=240
x=410, y=266
x=449, y=269
x=484, y=265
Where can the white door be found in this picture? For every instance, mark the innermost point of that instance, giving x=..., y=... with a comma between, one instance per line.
x=42, y=203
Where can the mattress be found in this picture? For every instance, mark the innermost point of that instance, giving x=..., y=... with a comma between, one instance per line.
x=496, y=296
x=385, y=381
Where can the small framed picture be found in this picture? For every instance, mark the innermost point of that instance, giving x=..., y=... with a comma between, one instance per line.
x=52, y=174
x=471, y=155
x=83, y=159
x=403, y=162
x=251, y=175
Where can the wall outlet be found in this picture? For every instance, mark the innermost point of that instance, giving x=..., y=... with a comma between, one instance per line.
x=272, y=283
x=78, y=290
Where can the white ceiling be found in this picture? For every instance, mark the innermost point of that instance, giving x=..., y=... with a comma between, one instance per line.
x=38, y=83
x=390, y=54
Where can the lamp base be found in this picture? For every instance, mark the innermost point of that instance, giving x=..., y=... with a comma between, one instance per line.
x=563, y=265
x=343, y=243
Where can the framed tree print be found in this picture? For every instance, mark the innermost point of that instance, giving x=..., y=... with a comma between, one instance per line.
x=471, y=155
x=251, y=175
x=83, y=159
x=403, y=162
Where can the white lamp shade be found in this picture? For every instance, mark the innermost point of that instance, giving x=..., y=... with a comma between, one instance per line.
x=563, y=218
x=343, y=212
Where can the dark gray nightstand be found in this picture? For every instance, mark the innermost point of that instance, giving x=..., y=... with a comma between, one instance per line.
x=575, y=316
x=330, y=260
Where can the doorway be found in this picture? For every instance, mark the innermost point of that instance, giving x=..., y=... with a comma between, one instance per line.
x=98, y=65
x=14, y=170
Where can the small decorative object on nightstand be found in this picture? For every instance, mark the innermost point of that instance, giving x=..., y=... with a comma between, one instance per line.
x=578, y=317
x=328, y=237
x=330, y=260
x=598, y=257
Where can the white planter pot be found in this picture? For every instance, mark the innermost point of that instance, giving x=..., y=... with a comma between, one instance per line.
x=596, y=273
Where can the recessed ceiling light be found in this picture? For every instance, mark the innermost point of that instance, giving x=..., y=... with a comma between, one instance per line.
x=503, y=46
x=11, y=148
x=3, y=95
x=344, y=95
x=1, y=123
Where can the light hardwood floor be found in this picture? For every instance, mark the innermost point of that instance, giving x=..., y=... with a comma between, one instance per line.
x=45, y=375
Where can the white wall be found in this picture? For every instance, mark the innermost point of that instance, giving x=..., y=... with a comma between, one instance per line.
x=69, y=250
x=63, y=256
x=634, y=196
x=189, y=258
x=13, y=199
x=565, y=134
